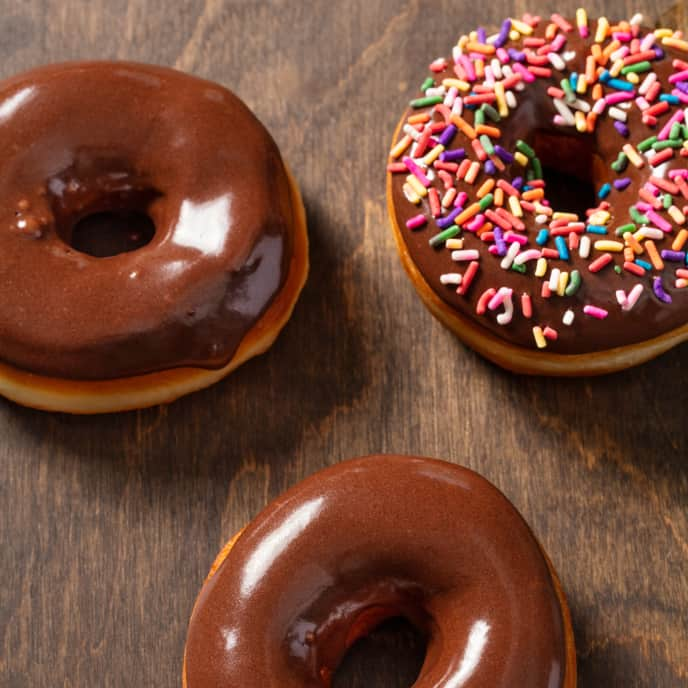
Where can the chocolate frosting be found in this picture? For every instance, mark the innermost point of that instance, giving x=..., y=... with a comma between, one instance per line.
x=584, y=155
x=86, y=137
x=373, y=538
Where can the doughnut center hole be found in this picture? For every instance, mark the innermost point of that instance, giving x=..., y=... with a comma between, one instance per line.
x=391, y=655
x=570, y=167
x=111, y=232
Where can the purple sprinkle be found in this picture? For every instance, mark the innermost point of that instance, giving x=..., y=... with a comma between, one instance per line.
x=517, y=183
x=503, y=34
x=621, y=128
x=674, y=256
x=682, y=86
x=452, y=155
x=621, y=184
x=516, y=55
x=489, y=168
x=482, y=35
x=659, y=53
x=504, y=154
x=448, y=134
x=499, y=241
x=658, y=289
x=448, y=220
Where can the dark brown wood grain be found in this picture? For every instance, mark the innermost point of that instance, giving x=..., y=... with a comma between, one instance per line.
x=109, y=524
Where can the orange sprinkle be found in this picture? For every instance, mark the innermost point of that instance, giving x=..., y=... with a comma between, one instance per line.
x=634, y=243
x=597, y=92
x=463, y=125
x=498, y=198
x=591, y=121
x=655, y=258
x=419, y=118
x=486, y=187
x=533, y=194
x=492, y=132
x=467, y=214
x=482, y=48
x=680, y=240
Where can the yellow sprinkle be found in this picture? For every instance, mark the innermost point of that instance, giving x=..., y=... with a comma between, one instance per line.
x=485, y=188
x=400, y=147
x=542, y=209
x=633, y=155
x=582, y=85
x=676, y=43
x=685, y=144
x=608, y=245
x=581, y=122
x=459, y=84
x=410, y=194
x=502, y=106
x=454, y=244
x=602, y=29
x=601, y=217
x=521, y=159
x=416, y=186
x=664, y=33
x=462, y=43
x=633, y=78
x=515, y=207
x=563, y=281
x=571, y=217
x=540, y=340
x=541, y=267
x=616, y=68
x=522, y=27
x=676, y=215
x=581, y=17
x=433, y=154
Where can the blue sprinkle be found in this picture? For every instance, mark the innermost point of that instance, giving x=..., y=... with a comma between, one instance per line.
x=542, y=237
x=620, y=85
x=596, y=229
x=671, y=99
x=563, y=249
x=573, y=80
x=605, y=76
x=604, y=191
x=643, y=264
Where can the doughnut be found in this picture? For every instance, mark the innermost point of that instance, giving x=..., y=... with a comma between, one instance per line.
x=95, y=315
x=538, y=192
x=370, y=539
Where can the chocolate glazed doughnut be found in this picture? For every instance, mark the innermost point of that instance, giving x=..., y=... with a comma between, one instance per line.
x=89, y=328
x=373, y=538
x=592, y=285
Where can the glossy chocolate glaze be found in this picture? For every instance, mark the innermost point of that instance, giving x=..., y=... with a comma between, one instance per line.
x=82, y=138
x=368, y=539
x=532, y=122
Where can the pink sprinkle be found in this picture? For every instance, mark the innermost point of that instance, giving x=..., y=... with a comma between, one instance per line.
x=527, y=75
x=683, y=97
x=416, y=221
x=659, y=221
x=461, y=199
x=476, y=223
x=619, y=97
x=678, y=76
x=498, y=299
x=595, y=312
x=526, y=305
x=558, y=42
x=416, y=171
x=503, y=56
x=467, y=67
x=666, y=130
x=550, y=333
x=518, y=238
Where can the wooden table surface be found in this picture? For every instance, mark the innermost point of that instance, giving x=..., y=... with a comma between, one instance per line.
x=109, y=524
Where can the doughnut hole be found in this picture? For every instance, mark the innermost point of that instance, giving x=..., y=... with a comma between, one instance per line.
x=105, y=215
x=393, y=652
x=570, y=167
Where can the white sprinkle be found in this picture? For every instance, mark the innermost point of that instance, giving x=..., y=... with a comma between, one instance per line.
x=581, y=105
x=556, y=61
x=451, y=278
x=584, y=247
x=411, y=131
x=466, y=254
x=569, y=55
x=649, y=233
x=618, y=114
x=511, y=100
x=508, y=303
x=541, y=219
x=637, y=19
x=633, y=297
x=568, y=317
x=554, y=279
x=496, y=67
x=436, y=91
x=564, y=111
x=510, y=255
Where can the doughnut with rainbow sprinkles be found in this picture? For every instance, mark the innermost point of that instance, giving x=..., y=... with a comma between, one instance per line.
x=538, y=190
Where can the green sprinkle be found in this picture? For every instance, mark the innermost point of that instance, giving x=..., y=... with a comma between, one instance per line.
x=617, y=269
x=570, y=95
x=621, y=163
x=537, y=168
x=574, y=283
x=487, y=144
x=645, y=145
x=675, y=133
x=428, y=83
x=637, y=216
x=486, y=201
x=479, y=117
x=426, y=102
x=530, y=175
x=518, y=268
x=624, y=229
x=667, y=201
x=661, y=145
x=637, y=67
x=448, y=233
x=524, y=148
x=491, y=112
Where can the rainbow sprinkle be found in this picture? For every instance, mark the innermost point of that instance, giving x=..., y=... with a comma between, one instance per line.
x=483, y=202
